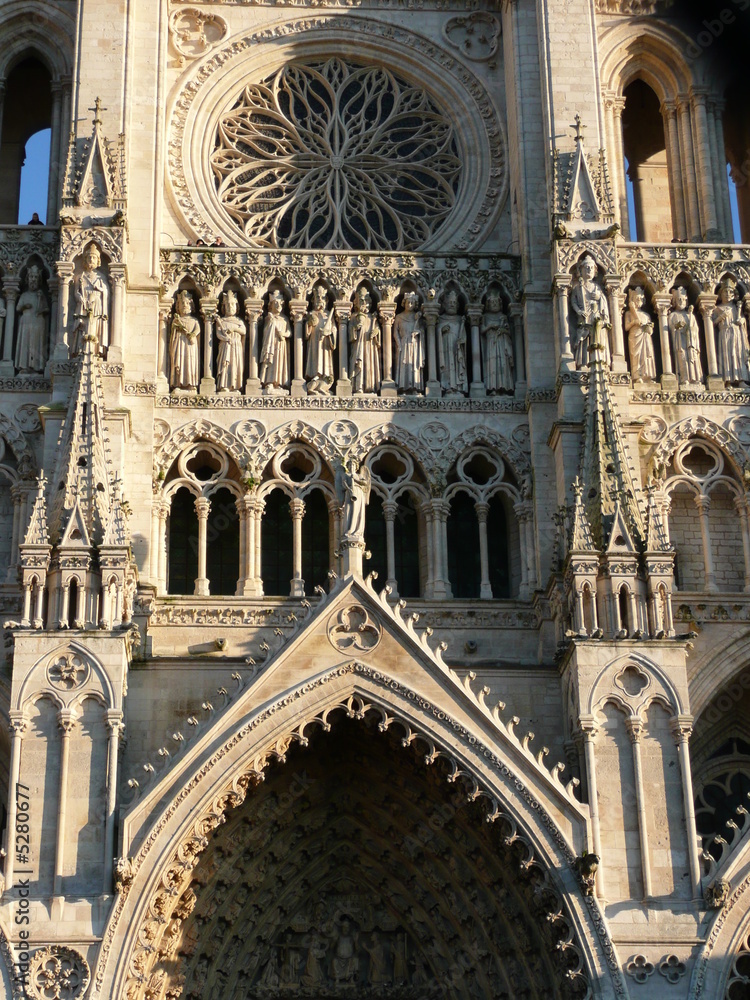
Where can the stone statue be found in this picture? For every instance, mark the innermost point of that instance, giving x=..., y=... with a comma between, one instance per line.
x=91, y=304
x=230, y=333
x=33, y=309
x=274, y=355
x=408, y=337
x=683, y=328
x=314, y=972
x=321, y=341
x=589, y=305
x=184, y=345
x=731, y=335
x=364, y=335
x=640, y=329
x=356, y=488
x=345, y=963
x=378, y=972
x=290, y=962
x=497, y=345
x=452, y=346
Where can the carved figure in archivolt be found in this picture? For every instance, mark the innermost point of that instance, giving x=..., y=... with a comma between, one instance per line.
x=33, y=310
x=230, y=333
x=408, y=338
x=184, y=344
x=589, y=305
x=640, y=330
x=683, y=328
x=731, y=335
x=91, y=304
x=274, y=355
x=452, y=346
x=364, y=336
x=321, y=341
x=497, y=346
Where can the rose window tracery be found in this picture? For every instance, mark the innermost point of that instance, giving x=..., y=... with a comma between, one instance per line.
x=339, y=156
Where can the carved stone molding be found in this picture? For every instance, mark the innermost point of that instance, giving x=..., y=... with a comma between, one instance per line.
x=631, y=6
x=19, y=244
x=476, y=36
x=352, y=629
x=193, y=32
x=58, y=973
x=111, y=239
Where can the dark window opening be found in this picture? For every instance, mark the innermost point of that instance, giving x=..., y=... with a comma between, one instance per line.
x=645, y=152
x=27, y=112
x=183, y=543
x=497, y=549
x=464, y=568
x=315, y=554
x=276, y=545
x=223, y=544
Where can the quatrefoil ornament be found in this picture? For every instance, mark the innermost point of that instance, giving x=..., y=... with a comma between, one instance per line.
x=353, y=629
x=67, y=672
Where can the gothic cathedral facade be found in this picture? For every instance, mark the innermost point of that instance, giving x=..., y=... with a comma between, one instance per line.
x=375, y=500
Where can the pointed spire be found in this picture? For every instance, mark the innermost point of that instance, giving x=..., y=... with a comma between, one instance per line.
x=82, y=476
x=611, y=484
x=581, y=539
x=37, y=533
x=656, y=540
x=117, y=532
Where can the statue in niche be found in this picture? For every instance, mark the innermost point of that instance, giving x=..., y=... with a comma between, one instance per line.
x=498, y=346
x=33, y=309
x=230, y=333
x=270, y=974
x=314, y=971
x=408, y=336
x=378, y=971
x=589, y=305
x=274, y=355
x=640, y=330
x=683, y=328
x=290, y=962
x=321, y=341
x=452, y=346
x=184, y=345
x=91, y=304
x=364, y=336
x=731, y=335
x=355, y=485
x=345, y=963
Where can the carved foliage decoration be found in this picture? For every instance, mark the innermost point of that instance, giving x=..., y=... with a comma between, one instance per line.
x=194, y=32
x=476, y=36
x=336, y=155
x=58, y=973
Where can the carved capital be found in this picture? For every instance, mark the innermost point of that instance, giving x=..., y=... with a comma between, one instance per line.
x=682, y=728
x=634, y=726
x=202, y=508
x=297, y=509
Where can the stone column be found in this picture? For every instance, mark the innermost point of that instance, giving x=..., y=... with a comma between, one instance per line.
x=515, y=312
x=11, y=288
x=430, y=311
x=163, y=514
x=38, y=621
x=55, y=158
x=441, y=511
x=387, y=311
x=614, y=295
x=66, y=721
x=260, y=506
x=562, y=283
x=297, y=511
x=64, y=606
x=635, y=731
x=208, y=312
x=588, y=732
x=118, y=274
x=706, y=303
x=662, y=301
x=703, y=503
x=253, y=312
x=343, y=309
x=390, y=508
x=242, y=514
x=704, y=166
x=682, y=727
x=741, y=506
x=429, y=533
x=162, y=347
x=524, y=511
x=202, y=509
x=621, y=193
x=299, y=311
x=715, y=113
x=687, y=179
x=114, y=724
x=16, y=492
x=476, y=390
x=65, y=276
x=485, y=588
x=674, y=167
x=17, y=729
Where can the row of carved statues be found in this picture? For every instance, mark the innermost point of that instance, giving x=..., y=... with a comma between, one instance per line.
x=684, y=344
x=368, y=349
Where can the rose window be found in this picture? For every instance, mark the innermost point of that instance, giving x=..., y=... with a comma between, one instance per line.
x=338, y=156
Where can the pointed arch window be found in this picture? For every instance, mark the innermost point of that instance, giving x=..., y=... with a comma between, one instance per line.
x=29, y=112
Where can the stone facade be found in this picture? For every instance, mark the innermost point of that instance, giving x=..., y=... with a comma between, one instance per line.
x=374, y=512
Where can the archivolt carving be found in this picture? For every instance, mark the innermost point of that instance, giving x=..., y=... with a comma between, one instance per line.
x=515, y=457
x=111, y=240
x=174, y=884
x=58, y=973
x=198, y=430
x=388, y=434
x=297, y=430
x=699, y=426
x=482, y=192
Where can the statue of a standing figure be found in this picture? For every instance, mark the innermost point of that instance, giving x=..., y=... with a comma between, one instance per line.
x=498, y=346
x=451, y=329
x=32, y=308
x=683, y=327
x=590, y=309
x=184, y=345
x=355, y=486
x=274, y=354
x=321, y=341
x=640, y=329
x=731, y=335
x=345, y=963
x=230, y=333
x=408, y=336
x=364, y=336
x=91, y=304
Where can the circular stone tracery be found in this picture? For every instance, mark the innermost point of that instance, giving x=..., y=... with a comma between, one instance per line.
x=338, y=156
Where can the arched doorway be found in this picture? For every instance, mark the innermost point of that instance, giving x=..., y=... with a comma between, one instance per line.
x=355, y=869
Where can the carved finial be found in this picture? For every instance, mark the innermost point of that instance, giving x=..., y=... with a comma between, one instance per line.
x=579, y=127
x=97, y=108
